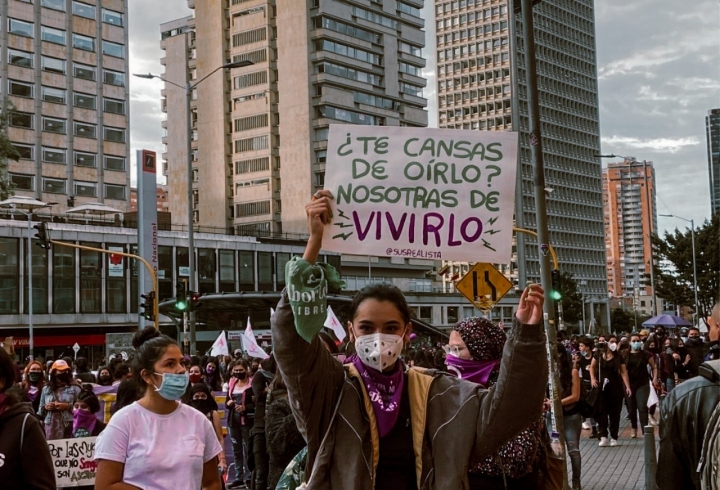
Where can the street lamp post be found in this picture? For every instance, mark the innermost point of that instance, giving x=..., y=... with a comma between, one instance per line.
x=692, y=235
x=31, y=205
x=188, y=88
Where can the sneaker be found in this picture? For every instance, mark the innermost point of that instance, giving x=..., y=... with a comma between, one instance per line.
x=633, y=434
x=586, y=426
x=603, y=442
x=613, y=443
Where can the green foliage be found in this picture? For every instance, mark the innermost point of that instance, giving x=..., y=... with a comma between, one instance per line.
x=674, y=266
x=571, y=299
x=7, y=151
x=626, y=320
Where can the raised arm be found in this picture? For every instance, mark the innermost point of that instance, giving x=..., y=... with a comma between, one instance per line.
x=313, y=377
x=516, y=400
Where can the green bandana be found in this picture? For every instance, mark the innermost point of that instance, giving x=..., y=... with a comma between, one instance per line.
x=307, y=288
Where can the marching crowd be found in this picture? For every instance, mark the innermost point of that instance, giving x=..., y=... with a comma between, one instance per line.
x=378, y=413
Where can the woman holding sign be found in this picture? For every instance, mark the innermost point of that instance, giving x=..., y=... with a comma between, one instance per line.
x=158, y=443
x=373, y=425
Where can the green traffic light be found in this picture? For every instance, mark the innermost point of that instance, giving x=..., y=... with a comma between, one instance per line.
x=181, y=305
x=555, y=295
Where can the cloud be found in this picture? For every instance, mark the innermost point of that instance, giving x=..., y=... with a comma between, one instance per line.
x=659, y=144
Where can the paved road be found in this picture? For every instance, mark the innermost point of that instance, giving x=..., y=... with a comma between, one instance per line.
x=613, y=468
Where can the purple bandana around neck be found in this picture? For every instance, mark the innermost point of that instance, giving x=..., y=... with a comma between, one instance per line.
x=82, y=419
x=385, y=391
x=474, y=371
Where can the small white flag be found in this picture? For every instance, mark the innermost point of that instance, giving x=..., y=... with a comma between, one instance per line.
x=220, y=347
x=334, y=324
x=250, y=344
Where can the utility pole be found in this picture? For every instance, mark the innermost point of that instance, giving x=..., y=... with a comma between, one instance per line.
x=541, y=217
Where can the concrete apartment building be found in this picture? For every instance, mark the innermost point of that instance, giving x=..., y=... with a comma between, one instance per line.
x=630, y=219
x=712, y=127
x=481, y=85
x=260, y=132
x=64, y=67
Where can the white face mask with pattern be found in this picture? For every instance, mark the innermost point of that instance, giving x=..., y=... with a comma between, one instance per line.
x=379, y=350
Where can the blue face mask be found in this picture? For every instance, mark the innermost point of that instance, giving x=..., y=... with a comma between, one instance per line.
x=173, y=386
x=584, y=353
x=636, y=345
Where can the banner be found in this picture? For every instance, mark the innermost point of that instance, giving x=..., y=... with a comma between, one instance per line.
x=421, y=193
x=73, y=461
x=250, y=344
x=220, y=346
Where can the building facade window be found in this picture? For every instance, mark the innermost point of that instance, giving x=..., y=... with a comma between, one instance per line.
x=40, y=280
x=226, y=271
x=86, y=72
x=21, y=28
x=20, y=58
x=113, y=49
x=84, y=130
x=53, y=155
x=21, y=89
x=114, y=106
x=114, y=78
x=9, y=276
x=54, y=65
x=63, y=280
x=91, y=266
x=51, y=35
x=85, y=43
x=116, y=135
x=115, y=163
x=85, y=159
x=86, y=101
x=52, y=125
x=113, y=191
x=54, y=95
x=24, y=120
x=83, y=10
x=53, y=4
x=112, y=17
x=115, y=282
x=54, y=186
x=27, y=152
x=23, y=182
x=87, y=189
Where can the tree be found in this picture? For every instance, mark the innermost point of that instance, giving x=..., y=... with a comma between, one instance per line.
x=571, y=299
x=674, y=266
x=7, y=151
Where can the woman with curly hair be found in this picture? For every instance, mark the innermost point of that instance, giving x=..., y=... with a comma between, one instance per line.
x=474, y=353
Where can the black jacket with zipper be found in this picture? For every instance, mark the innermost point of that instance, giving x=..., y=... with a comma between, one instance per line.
x=684, y=417
x=29, y=467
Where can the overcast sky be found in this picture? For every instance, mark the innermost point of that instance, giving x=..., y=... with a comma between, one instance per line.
x=658, y=69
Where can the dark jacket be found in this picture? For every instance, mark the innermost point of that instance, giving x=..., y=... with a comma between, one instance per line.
x=284, y=440
x=684, y=417
x=31, y=468
x=260, y=382
x=247, y=418
x=454, y=422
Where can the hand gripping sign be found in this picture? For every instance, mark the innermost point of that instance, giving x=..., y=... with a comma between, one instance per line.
x=421, y=193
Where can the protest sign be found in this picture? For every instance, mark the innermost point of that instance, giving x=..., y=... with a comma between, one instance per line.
x=73, y=461
x=421, y=193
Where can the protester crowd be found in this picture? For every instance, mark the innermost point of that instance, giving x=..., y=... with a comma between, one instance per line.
x=377, y=412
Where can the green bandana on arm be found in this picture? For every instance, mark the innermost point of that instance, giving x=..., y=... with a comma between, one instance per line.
x=307, y=288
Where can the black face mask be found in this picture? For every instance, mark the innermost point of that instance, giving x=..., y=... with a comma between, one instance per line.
x=34, y=377
x=693, y=340
x=203, y=406
x=240, y=375
x=104, y=378
x=64, y=377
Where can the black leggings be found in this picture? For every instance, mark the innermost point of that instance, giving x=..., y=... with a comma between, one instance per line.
x=609, y=418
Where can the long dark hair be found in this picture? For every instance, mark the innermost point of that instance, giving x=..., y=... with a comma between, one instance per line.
x=565, y=368
x=150, y=346
x=381, y=292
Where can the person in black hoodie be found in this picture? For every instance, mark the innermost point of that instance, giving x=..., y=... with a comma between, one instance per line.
x=25, y=462
x=260, y=382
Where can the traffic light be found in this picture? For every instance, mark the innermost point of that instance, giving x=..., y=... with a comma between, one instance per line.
x=193, y=300
x=42, y=235
x=181, y=303
x=555, y=292
x=148, y=306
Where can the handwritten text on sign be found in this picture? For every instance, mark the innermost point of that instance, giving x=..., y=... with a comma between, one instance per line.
x=73, y=461
x=422, y=193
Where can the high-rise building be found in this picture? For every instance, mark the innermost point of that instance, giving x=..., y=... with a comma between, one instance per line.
x=260, y=132
x=64, y=64
x=712, y=126
x=481, y=84
x=630, y=220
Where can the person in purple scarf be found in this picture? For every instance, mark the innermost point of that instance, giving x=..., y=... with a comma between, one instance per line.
x=474, y=352
x=85, y=422
x=372, y=424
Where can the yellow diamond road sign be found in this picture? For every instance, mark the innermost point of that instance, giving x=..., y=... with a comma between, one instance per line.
x=483, y=285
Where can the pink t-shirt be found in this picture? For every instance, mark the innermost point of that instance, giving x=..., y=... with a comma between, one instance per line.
x=159, y=451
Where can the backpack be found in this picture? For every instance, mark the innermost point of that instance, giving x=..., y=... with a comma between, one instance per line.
x=709, y=465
